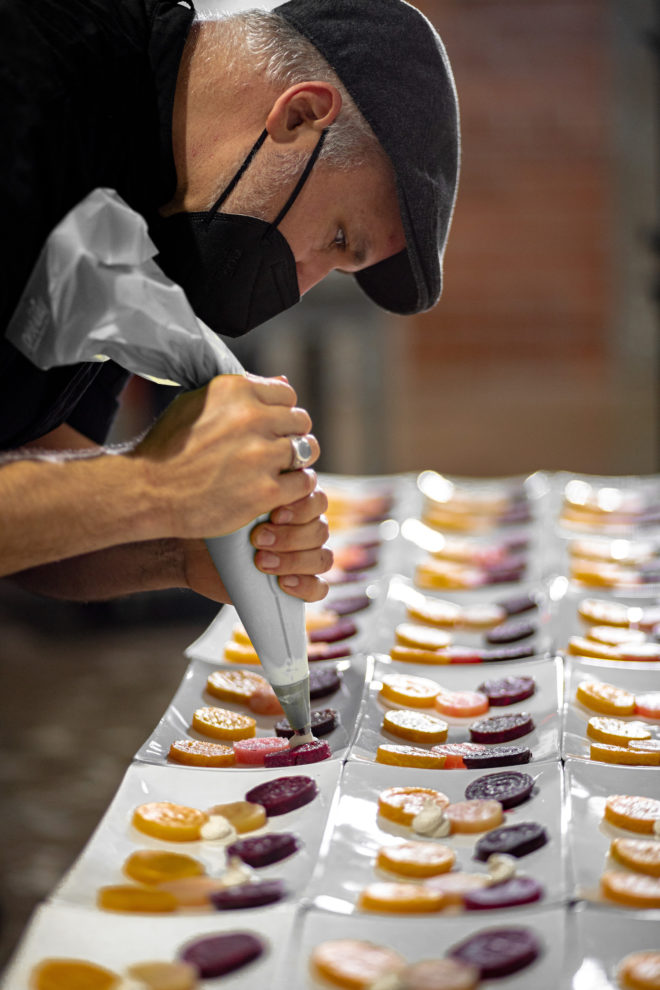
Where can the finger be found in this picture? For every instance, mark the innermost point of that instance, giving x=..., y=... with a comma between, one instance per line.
x=284, y=539
x=273, y=391
x=302, y=511
x=291, y=486
x=316, y=561
x=310, y=589
x=289, y=422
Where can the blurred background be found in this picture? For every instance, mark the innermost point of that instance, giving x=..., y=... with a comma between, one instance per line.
x=543, y=353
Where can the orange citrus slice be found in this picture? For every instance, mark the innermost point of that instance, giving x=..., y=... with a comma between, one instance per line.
x=240, y=652
x=638, y=651
x=615, y=635
x=455, y=885
x=197, y=753
x=417, y=727
x=624, y=755
x=631, y=889
x=605, y=698
x=165, y=975
x=172, y=822
x=354, y=964
x=416, y=859
x=461, y=704
x=474, y=816
x=640, y=971
x=436, y=573
x=441, y=974
x=245, y=816
x=641, y=855
x=603, y=613
x=413, y=654
x=400, y=898
x=234, y=685
x=418, y=692
x=483, y=616
x=436, y=612
x=614, y=731
x=155, y=866
x=583, y=647
x=223, y=724
x=403, y=804
x=424, y=637
x=192, y=891
x=71, y=974
x=409, y=756
x=633, y=812
x=147, y=900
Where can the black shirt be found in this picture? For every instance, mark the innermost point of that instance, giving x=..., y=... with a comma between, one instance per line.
x=86, y=99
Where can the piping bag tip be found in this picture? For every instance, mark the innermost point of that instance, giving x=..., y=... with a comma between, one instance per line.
x=301, y=736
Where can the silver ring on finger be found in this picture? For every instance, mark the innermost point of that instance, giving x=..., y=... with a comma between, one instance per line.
x=301, y=453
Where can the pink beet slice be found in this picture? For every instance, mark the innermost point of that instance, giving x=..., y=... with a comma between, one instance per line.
x=501, y=728
x=262, y=850
x=253, y=751
x=283, y=794
x=342, y=629
x=216, y=955
x=510, y=893
x=323, y=720
x=323, y=681
x=508, y=690
x=498, y=951
x=510, y=788
x=312, y=752
x=248, y=895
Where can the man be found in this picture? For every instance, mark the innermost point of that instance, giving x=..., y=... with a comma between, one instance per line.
x=264, y=150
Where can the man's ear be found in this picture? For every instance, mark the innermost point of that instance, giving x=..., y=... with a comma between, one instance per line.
x=302, y=111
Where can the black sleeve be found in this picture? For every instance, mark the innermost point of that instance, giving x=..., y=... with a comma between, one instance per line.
x=96, y=410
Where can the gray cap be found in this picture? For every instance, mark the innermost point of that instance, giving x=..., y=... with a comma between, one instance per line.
x=394, y=65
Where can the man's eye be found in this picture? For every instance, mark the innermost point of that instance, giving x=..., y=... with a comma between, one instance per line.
x=340, y=240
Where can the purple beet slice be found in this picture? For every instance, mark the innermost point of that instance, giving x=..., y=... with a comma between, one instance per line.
x=328, y=651
x=518, y=604
x=350, y=604
x=498, y=756
x=509, y=893
x=323, y=721
x=508, y=690
x=216, y=955
x=509, y=788
x=283, y=794
x=342, y=629
x=323, y=681
x=248, y=895
x=262, y=850
x=312, y=752
x=510, y=652
x=510, y=632
x=501, y=728
x=282, y=758
x=498, y=951
x=515, y=840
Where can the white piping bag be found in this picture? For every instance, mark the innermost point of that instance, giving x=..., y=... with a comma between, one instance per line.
x=96, y=294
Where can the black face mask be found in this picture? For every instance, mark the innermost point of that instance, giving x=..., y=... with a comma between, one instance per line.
x=236, y=271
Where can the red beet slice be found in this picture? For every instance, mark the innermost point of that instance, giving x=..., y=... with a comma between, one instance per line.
x=497, y=756
x=350, y=604
x=515, y=840
x=510, y=632
x=509, y=788
x=248, y=895
x=464, y=654
x=262, y=850
x=323, y=681
x=283, y=794
x=312, y=752
x=327, y=651
x=501, y=728
x=332, y=634
x=510, y=893
x=498, y=951
x=285, y=758
x=508, y=690
x=518, y=603
x=510, y=652
x=216, y=955
x=323, y=721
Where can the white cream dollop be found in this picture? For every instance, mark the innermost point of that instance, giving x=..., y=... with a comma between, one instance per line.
x=656, y=827
x=431, y=821
x=128, y=983
x=237, y=872
x=389, y=981
x=218, y=828
x=500, y=867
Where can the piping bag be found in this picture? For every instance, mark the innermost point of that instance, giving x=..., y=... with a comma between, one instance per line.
x=96, y=294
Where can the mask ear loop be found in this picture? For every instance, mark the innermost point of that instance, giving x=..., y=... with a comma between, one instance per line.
x=302, y=180
x=239, y=175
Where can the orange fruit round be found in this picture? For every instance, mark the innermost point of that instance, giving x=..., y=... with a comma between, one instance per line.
x=198, y=753
x=71, y=974
x=147, y=900
x=640, y=971
x=417, y=692
x=631, y=889
x=413, y=654
x=400, y=898
x=616, y=732
x=605, y=698
x=223, y=724
x=403, y=804
x=455, y=885
x=354, y=964
x=240, y=652
x=171, y=822
x=192, y=891
x=632, y=812
x=461, y=704
x=415, y=726
x=409, y=756
x=601, y=612
x=435, y=612
x=641, y=855
x=234, y=685
x=165, y=975
x=441, y=974
x=424, y=637
x=474, y=816
x=615, y=635
x=416, y=859
x=155, y=866
x=624, y=755
x=245, y=816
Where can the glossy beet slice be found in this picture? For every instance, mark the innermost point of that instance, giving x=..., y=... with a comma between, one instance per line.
x=323, y=681
x=518, y=604
x=283, y=794
x=510, y=652
x=510, y=893
x=508, y=690
x=324, y=720
x=515, y=840
x=285, y=758
x=262, y=850
x=350, y=604
x=510, y=632
x=332, y=634
x=328, y=651
x=248, y=895
x=498, y=951
x=497, y=756
x=501, y=728
x=216, y=955
x=509, y=788
x=312, y=752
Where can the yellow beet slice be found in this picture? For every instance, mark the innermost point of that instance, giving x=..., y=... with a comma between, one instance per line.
x=640, y=971
x=615, y=635
x=155, y=866
x=605, y=698
x=245, y=816
x=424, y=637
x=616, y=732
x=415, y=726
x=409, y=756
x=583, y=647
x=400, y=898
x=354, y=964
x=632, y=812
x=240, y=652
x=455, y=885
x=165, y=975
x=198, y=753
x=413, y=654
x=234, y=685
x=403, y=804
x=436, y=612
x=172, y=822
x=641, y=855
x=223, y=724
x=71, y=974
x=192, y=891
x=437, y=573
x=631, y=889
x=600, y=612
x=148, y=900
x=624, y=755
x=416, y=859
x=418, y=692
x=474, y=816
